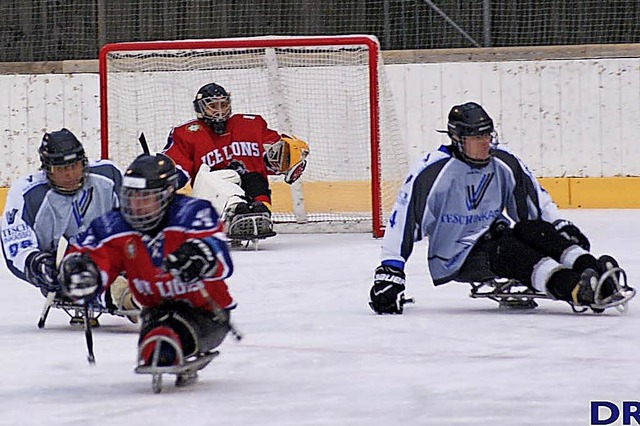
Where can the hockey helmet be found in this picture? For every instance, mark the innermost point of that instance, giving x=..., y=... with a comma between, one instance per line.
x=469, y=119
x=63, y=159
x=213, y=105
x=147, y=189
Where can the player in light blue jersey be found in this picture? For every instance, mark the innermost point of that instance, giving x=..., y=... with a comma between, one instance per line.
x=465, y=197
x=57, y=201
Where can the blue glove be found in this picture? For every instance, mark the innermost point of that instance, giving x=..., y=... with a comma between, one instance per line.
x=387, y=293
x=41, y=271
x=572, y=233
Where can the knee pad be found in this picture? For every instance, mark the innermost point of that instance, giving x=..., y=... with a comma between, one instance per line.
x=509, y=257
x=542, y=236
x=255, y=185
x=220, y=187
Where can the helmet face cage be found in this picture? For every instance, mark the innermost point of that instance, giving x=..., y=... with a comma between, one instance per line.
x=213, y=105
x=58, y=151
x=214, y=109
x=144, y=209
x=147, y=189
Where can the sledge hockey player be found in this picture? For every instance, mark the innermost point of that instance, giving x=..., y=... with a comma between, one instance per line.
x=57, y=201
x=228, y=158
x=456, y=197
x=173, y=251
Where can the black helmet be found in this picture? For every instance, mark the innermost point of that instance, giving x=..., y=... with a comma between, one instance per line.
x=213, y=105
x=58, y=149
x=147, y=189
x=469, y=119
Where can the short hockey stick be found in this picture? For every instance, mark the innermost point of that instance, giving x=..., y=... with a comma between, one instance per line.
x=45, y=309
x=218, y=312
x=88, y=335
x=62, y=248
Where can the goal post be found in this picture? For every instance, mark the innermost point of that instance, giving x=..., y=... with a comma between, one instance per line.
x=329, y=91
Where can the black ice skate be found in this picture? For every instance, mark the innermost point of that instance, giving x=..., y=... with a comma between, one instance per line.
x=600, y=292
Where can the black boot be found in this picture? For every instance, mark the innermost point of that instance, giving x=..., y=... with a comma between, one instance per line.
x=583, y=293
x=609, y=286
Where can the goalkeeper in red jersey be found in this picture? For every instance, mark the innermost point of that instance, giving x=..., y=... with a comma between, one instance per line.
x=228, y=159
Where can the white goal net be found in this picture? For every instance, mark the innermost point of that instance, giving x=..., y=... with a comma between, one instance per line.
x=329, y=91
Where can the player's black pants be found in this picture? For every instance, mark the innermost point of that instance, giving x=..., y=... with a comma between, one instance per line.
x=199, y=330
x=513, y=252
x=255, y=185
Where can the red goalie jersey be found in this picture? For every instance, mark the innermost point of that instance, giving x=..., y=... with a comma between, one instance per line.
x=194, y=143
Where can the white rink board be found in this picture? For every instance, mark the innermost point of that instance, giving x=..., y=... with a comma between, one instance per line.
x=563, y=117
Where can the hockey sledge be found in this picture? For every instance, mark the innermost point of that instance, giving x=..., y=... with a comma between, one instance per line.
x=76, y=312
x=185, y=371
x=512, y=294
x=250, y=228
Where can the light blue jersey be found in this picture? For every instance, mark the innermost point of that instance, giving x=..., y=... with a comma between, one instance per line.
x=453, y=204
x=36, y=216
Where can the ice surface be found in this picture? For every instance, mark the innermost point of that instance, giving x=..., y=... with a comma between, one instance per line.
x=314, y=354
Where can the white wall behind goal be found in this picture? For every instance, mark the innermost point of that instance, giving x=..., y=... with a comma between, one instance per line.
x=563, y=117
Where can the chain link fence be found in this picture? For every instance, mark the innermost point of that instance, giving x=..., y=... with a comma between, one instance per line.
x=53, y=30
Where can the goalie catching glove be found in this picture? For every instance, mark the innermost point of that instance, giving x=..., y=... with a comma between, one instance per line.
x=192, y=261
x=79, y=278
x=287, y=157
x=387, y=293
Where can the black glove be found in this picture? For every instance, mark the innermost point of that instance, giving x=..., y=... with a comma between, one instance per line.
x=41, y=271
x=238, y=167
x=496, y=229
x=387, y=293
x=79, y=277
x=572, y=233
x=191, y=262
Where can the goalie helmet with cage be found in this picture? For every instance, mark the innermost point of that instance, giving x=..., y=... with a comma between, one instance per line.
x=63, y=160
x=213, y=106
x=470, y=119
x=147, y=189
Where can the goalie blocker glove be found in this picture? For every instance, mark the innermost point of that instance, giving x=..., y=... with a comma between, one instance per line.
x=192, y=261
x=41, y=271
x=387, y=293
x=571, y=232
x=79, y=278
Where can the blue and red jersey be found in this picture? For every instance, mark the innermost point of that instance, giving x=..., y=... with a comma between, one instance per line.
x=117, y=248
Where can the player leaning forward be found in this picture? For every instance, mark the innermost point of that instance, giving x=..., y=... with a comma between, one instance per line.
x=173, y=252
x=458, y=196
x=56, y=202
x=228, y=159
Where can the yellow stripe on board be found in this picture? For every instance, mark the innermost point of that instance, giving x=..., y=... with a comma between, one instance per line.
x=324, y=197
x=586, y=193
x=3, y=197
